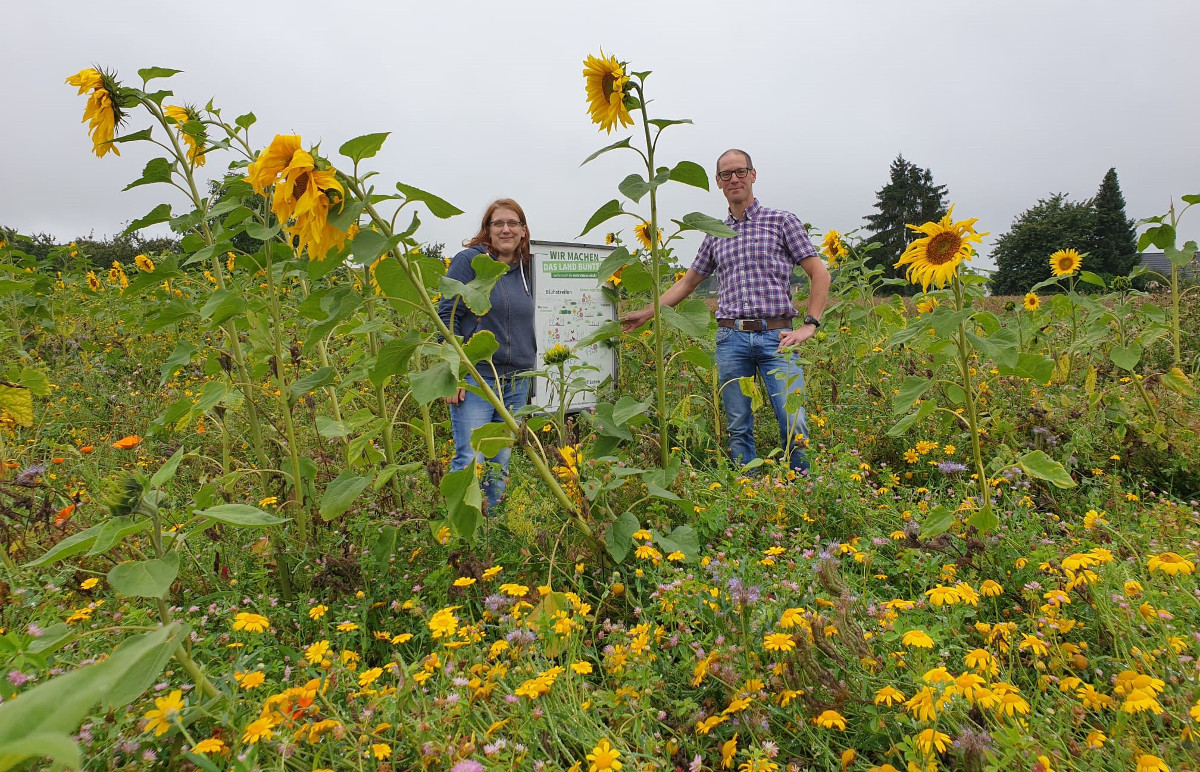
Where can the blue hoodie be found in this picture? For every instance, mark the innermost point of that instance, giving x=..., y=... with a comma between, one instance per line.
x=510, y=318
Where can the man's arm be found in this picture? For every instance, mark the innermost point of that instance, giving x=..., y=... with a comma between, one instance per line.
x=672, y=297
x=818, y=295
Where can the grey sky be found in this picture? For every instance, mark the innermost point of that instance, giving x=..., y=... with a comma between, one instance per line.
x=1006, y=102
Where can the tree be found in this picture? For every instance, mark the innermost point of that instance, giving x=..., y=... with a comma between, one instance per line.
x=910, y=197
x=1023, y=254
x=1114, y=249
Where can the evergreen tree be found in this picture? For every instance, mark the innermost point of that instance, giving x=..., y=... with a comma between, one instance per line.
x=1114, y=246
x=1023, y=254
x=909, y=198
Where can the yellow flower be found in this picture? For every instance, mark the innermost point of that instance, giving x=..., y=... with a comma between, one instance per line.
x=676, y=557
x=931, y=739
x=304, y=193
x=444, y=623
x=778, y=642
x=728, y=751
x=464, y=581
x=251, y=622
x=1148, y=763
x=195, y=142
x=831, y=719
x=832, y=246
x=943, y=596
x=93, y=282
x=1171, y=563
x=1139, y=700
x=917, y=639
x=369, y=676
x=144, y=264
x=606, y=81
x=488, y=574
x=346, y=627
x=514, y=590
x=381, y=751
x=88, y=584
x=1044, y=763
x=1032, y=302
x=791, y=617
x=317, y=611
x=991, y=589
x=737, y=706
x=102, y=112
x=935, y=258
x=165, y=712
x=710, y=723
x=557, y=355
x=888, y=695
x=604, y=758
x=582, y=668
x=316, y=652
x=642, y=232
x=646, y=552
x=209, y=745
x=252, y=680
x=1065, y=262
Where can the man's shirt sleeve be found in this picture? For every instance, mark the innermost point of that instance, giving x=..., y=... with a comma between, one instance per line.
x=795, y=239
x=705, y=262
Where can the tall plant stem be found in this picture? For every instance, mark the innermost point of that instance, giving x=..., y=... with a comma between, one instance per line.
x=389, y=450
x=964, y=366
x=660, y=387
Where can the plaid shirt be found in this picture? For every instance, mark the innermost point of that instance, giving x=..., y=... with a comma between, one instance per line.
x=754, y=269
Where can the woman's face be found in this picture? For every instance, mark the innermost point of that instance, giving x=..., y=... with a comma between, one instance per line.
x=505, y=231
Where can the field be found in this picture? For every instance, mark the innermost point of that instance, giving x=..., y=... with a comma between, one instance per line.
x=231, y=540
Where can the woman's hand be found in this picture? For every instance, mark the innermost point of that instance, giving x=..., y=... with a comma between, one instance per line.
x=457, y=398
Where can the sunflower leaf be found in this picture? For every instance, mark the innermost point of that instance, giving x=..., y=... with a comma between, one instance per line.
x=363, y=147
x=148, y=74
x=603, y=150
x=604, y=213
x=698, y=221
x=16, y=402
x=134, y=137
x=634, y=187
x=663, y=123
x=438, y=207
x=245, y=121
x=690, y=173
x=616, y=260
x=156, y=170
x=145, y=578
x=1041, y=466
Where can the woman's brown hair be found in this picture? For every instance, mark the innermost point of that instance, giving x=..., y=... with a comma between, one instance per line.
x=481, y=238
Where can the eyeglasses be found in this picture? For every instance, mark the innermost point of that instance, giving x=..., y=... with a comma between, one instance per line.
x=512, y=224
x=741, y=173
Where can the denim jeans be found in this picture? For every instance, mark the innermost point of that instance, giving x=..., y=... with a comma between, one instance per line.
x=741, y=355
x=475, y=411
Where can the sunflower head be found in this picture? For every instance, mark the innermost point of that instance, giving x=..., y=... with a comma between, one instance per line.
x=642, y=232
x=194, y=137
x=1032, y=302
x=1065, y=262
x=833, y=247
x=606, y=91
x=558, y=354
x=934, y=259
x=103, y=112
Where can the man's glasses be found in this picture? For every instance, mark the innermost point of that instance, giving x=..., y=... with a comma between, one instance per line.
x=741, y=173
x=512, y=224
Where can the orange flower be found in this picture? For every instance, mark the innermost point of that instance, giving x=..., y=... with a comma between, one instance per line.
x=57, y=460
x=125, y=443
x=87, y=449
x=64, y=514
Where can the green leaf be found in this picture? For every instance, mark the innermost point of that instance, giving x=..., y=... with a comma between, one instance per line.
x=1091, y=278
x=180, y=357
x=363, y=147
x=691, y=317
x=937, y=522
x=438, y=382
x=145, y=578
x=1178, y=382
x=984, y=519
x=260, y=232
x=690, y=173
x=241, y=515
x=368, y=245
x=438, y=207
x=150, y=73
x=56, y=747
x=698, y=221
x=160, y=213
x=72, y=545
x=477, y=293
x=341, y=494
x=115, y=530
x=616, y=260
x=1125, y=357
x=749, y=388
x=481, y=346
x=634, y=187
x=156, y=170
x=682, y=539
x=315, y=380
x=331, y=429
x=603, y=332
x=392, y=361
x=926, y=409
x=627, y=407
x=910, y=391
x=34, y=380
x=136, y=136
x=603, y=214
x=17, y=403
x=1037, y=464
x=222, y=305
x=618, y=540
x=1191, y=198
x=603, y=150
x=464, y=501
x=663, y=123
x=245, y=120
x=491, y=438
x=383, y=547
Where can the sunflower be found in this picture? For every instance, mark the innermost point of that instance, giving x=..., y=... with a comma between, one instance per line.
x=606, y=81
x=144, y=264
x=642, y=232
x=1032, y=302
x=102, y=112
x=833, y=247
x=195, y=142
x=93, y=282
x=304, y=193
x=1065, y=262
x=935, y=258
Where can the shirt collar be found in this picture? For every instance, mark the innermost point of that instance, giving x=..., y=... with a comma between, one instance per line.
x=750, y=213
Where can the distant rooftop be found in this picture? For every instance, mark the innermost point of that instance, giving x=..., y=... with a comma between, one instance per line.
x=1158, y=263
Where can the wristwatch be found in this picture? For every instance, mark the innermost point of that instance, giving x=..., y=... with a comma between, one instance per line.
x=810, y=319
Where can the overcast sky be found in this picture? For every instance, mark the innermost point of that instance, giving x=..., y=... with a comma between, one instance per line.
x=1005, y=102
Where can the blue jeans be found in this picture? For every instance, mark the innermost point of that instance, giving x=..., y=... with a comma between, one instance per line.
x=741, y=355
x=475, y=411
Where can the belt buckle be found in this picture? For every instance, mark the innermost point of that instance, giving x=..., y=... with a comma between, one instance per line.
x=740, y=324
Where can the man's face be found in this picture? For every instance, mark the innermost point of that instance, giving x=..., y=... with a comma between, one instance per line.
x=737, y=190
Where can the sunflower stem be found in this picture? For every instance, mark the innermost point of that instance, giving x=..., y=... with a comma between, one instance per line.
x=985, y=520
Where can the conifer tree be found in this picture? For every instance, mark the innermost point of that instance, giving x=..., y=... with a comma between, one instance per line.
x=1113, y=250
x=909, y=198
x=1022, y=254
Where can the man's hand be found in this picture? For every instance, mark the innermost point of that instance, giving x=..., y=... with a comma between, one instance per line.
x=634, y=319
x=457, y=398
x=793, y=338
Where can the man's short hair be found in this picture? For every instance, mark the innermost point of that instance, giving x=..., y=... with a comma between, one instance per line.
x=749, y=163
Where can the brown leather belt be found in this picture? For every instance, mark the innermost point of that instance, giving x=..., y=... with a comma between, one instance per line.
x=756, y=325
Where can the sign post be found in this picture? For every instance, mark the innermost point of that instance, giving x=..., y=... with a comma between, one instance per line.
x=568, y=306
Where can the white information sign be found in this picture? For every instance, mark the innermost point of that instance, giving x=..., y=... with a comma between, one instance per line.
x=568, y=306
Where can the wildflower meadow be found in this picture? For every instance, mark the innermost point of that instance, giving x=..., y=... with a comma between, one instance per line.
x=231, y=540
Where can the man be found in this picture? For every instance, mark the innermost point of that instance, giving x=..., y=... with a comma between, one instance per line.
x=755, y=313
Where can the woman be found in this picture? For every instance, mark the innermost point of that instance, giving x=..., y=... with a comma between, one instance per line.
x=504, y=237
